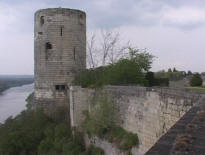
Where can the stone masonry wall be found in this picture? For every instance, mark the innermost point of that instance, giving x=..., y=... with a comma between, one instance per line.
x=147, y=112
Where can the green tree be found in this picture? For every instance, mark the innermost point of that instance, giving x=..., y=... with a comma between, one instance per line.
x=150, y=78
x=33, y=132
x=189, y=73
x=196, y=80
x=174, y=70
x=124, y=72
x=22, y=134
x=142, y=58
x=130, y=70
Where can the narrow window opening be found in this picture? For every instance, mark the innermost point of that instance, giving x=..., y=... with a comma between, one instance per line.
x=74, y=53
x=60, y=87
x=81, y=19
x=40, y=33
x=42, y=20
x=61, y=31
x=81, y=16
x=48, y=46
x=57, y=87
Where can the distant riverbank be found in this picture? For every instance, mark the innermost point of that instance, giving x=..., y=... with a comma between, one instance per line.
x=9, y=81
x=12, y=101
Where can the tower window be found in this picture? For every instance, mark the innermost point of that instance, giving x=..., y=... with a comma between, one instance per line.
x=42, y=20
x=60, y=87
x=48, y=46
x=61, y=31
x=81, y=19
x=74, y=52
x=57, y=87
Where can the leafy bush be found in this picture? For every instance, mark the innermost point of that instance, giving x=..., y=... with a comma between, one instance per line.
x=101, y=117
x=22, y=134
x=153, y=81
x=124, y=140
x=58, y=140
x=33, y=132
x=124, y=72
x=130, y=70
x=29, y=101
x=92, y=77
x=150, y=78
x=196, y=80
x=161, y=82
x=173, y=76
x=92, y=150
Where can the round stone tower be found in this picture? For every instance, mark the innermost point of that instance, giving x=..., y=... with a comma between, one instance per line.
x=59, y=53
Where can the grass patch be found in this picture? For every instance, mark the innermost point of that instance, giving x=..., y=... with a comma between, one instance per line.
x=196, y=89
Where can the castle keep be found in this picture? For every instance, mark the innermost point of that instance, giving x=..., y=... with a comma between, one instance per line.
x=59, y=52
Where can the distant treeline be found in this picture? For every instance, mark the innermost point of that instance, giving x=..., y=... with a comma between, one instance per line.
x=13, y=81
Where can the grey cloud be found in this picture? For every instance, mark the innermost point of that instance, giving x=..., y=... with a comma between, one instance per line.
x=147, y=13
x=116, y=13
x=153, y=26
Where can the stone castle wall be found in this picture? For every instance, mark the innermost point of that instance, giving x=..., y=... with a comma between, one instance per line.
x=149, y=113
x=59, y=53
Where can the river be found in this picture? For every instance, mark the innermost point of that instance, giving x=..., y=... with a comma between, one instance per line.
x=12, y=101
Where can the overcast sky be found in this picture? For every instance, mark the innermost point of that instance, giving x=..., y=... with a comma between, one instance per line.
x=172, y=30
